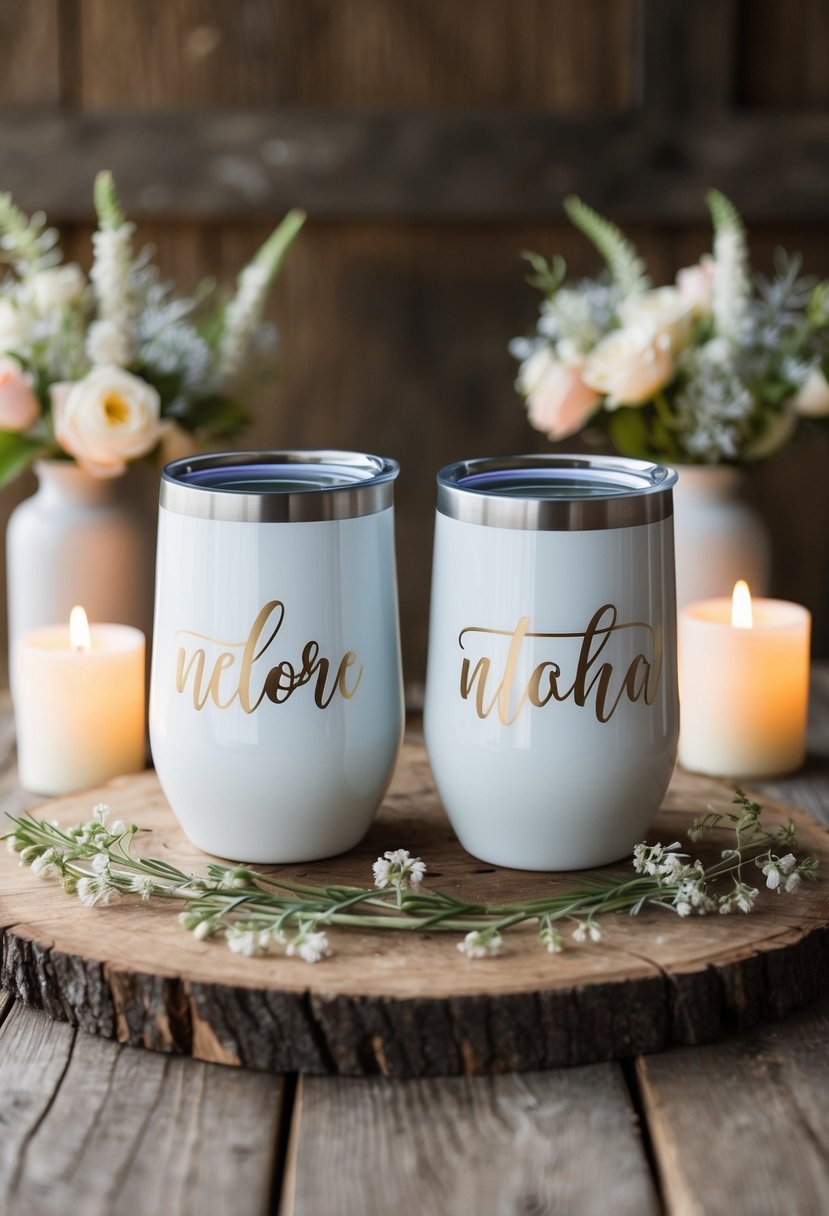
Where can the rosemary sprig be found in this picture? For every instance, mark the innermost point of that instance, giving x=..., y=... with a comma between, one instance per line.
x=252, y=912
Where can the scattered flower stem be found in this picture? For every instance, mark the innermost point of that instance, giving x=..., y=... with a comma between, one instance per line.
x=253, y=911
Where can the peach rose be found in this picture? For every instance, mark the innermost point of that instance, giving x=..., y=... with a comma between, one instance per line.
x=106, y=419
x=19, y=407
x=559, y=403
x=696, y=286
x=812, y=400
x=629, y=365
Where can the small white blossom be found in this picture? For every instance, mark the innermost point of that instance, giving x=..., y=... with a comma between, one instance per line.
x=100, y=863
x=13, y=845
x=551, y=939
x=659, y=861
x=100, y=812
x=47, y=864
x=98, y=890
x=777, y=868
x=691, y=895
x=742, y=898
x=118, y=828
x=142, y=885
x=585, y=930
x=250, y=942
x=792, y=883
x=772, y=874
x=397, y=868
x=205, y=928
x=309, y=945
x=481, y=943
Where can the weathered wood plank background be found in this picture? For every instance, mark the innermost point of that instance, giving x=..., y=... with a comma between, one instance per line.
x=431, y=145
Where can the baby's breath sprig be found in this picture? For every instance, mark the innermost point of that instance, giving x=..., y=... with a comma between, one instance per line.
x=253, y=912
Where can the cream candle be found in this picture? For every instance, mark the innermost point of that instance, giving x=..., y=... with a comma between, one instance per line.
x=78, y=704
x=744, y=686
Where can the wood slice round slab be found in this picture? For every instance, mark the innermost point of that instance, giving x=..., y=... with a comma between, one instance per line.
x=406, y=1004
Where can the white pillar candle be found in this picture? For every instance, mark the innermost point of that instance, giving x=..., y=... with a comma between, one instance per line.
x=78, y=706
x=744, y=687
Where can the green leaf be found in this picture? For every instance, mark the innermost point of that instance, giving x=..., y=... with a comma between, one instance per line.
x=167, y=385
x=724, y=215
x=547, y=277
x=271, y=254
x=216, y=417
x=16, y=454
x=627, y=269
x=628, y=430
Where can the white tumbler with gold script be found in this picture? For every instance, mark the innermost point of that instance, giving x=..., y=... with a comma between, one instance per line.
x=276, y=707
x=551, y=714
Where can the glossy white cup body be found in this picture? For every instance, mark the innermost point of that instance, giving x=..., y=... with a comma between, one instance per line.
x=551, y=786
x=275, y=778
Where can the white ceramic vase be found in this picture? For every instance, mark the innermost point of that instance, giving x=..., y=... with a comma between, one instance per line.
x=78, y=540
x=718, y=538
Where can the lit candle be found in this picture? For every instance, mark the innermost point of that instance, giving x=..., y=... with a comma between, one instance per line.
x=78, y=697
x=744, y=686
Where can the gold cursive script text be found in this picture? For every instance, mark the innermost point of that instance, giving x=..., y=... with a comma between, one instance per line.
x=592, y=675
x=230, y=675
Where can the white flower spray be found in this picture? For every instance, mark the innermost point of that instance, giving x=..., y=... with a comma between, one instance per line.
x=111, y=340
x=253, y=912
x=732, y=287
x=244, y=311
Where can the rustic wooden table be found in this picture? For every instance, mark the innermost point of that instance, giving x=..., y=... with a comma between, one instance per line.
x=737, y=1126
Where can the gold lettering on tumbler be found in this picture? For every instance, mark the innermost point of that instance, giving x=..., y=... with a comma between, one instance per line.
x=238, y=660
x=638, y=681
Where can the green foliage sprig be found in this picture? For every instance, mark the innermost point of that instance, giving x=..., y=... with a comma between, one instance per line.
x=253, y=912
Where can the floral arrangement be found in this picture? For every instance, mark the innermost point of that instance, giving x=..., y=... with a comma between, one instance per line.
x=104, y=371
x=252, y=912
x=714, y=369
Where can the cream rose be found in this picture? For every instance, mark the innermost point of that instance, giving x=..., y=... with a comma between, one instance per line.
x=55, y=289
x=19, y=407
x=664, y=310
x=106, y=419
x=559, y=403
x=695, y=285
x=629, y=365
x=812, y=401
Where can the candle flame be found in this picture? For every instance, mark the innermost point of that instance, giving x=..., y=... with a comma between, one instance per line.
x=79, y=638
x=741, y=614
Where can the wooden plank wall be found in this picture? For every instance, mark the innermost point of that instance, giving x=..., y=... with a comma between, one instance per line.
x=397, y=303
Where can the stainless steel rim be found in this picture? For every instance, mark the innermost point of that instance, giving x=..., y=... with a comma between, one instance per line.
x=370, y=491
x=637, y=493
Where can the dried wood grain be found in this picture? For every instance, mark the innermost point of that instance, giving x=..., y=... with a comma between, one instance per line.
x=544, y=53
x=784, y=54
x=555, y=1142
x=119, y=1132
x=741, y=1126
x=687, y=55
x=29, y=54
